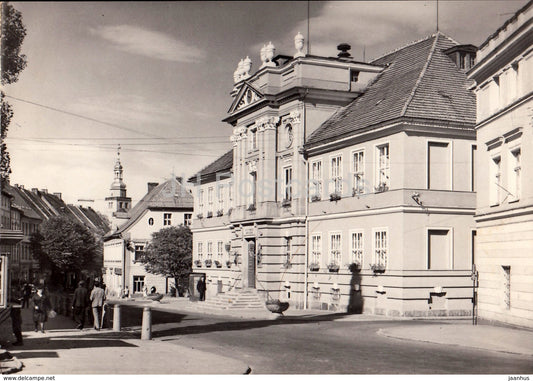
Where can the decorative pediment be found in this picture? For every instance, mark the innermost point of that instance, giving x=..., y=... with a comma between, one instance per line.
x=246, y=96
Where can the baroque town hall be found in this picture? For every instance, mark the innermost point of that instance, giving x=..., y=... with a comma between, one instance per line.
x=350, y=185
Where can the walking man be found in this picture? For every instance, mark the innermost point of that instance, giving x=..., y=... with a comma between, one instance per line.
x=97, y=301
x=79, y=304
x=200, y=286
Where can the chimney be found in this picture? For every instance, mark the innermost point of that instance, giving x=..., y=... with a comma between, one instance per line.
x=44, y=190
x=179, y=179
x=58, y=195
x=344, y=50
x=152, y=186
x=34, y=190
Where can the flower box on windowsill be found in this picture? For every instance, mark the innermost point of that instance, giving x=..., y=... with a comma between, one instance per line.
x=199, y=216
x=251, y=208
x=218, y=264
x=220, y=213
x=354, y=267
x=208, y=263
x=333, y=268
x=377, y=268
x=198, y=263
x=382, y=187
x=315, y=198
x=314, y=267
x=209, y=214
x=286, y=203
x=334, y=197
x=228, y=264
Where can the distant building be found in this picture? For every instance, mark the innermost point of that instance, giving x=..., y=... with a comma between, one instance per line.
x=164, y=205
x=504, y=213
x=338, y=162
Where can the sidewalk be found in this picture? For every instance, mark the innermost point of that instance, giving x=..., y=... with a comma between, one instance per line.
x=62, y=349
x=463, y=333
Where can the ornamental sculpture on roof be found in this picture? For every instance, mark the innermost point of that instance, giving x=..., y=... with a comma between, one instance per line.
x=299, y=45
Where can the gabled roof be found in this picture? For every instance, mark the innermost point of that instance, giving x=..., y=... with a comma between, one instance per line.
x=223, y=164
x=419, y=81
x=170, y=195
x=22, y=203
x=89, y=218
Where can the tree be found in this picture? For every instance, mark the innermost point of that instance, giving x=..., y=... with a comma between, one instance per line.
x=13, y=62
x=63, y=245
x=170, y=254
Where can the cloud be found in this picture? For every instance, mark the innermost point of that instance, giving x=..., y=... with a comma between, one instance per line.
x=136, y=40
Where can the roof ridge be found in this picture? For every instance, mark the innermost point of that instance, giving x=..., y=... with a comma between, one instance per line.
x=404, y=46
x=421, y=75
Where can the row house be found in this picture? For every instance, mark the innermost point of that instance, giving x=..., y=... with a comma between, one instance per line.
x=350, y=185
x=504, y=214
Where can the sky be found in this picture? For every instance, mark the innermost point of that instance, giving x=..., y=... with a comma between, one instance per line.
x=155, y=77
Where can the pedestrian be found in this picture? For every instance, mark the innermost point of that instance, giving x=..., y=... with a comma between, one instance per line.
x=201, y=288
x=79, y=304
x=41, y=306
x=26, y=294
x=126, y=293
x=145, y=291
x=97, y=302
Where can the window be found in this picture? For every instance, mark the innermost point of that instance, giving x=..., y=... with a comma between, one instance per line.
x=253, y=139
x=287, y=183
x=139, y=252
x=167, y=219
x=150, y=221
x=209, y=250
x=220, y=251
x=316, y=180
x=439, y=166
x=354, y=75
x=358, y=170
x=514, y=174
x=187, y=219
x=383, y=168
x=210, y=192
x=220, y=197
x=506, y=287
x=288, y=249
x=252, y=191
x=357, y=247
x=439, y=249
x=495, y=180
x=200, y=251
x=336, y=174
x=335, y=242
x=316, y=248
x=138, y=283
x=473, y=168
x=381, y=247
x=201, y=200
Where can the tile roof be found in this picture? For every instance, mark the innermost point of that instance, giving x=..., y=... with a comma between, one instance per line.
x=169, y=195
x=223, y=163
x=22, y=203
x=419, y=81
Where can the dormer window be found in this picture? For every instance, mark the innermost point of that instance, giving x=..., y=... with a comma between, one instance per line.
x=354, y=75
x=464, y=56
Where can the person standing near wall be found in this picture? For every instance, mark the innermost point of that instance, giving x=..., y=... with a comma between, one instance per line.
x=201, y=288
x=79, y=304
x=41, y=306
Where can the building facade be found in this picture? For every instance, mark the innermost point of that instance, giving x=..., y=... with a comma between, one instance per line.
x=164, y=205
x=336, y=162
x=504, y=213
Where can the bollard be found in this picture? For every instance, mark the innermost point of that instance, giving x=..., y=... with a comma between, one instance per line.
x=116, y=318
x=146, y=331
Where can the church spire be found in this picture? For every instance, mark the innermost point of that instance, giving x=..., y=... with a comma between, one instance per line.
x=118, y=203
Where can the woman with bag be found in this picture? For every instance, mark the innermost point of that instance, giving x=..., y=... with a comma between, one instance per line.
x=41, y=307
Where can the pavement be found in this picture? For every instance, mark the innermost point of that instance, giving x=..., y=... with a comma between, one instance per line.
x=62, y=349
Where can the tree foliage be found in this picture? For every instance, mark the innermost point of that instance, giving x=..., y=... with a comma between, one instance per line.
x=13, y=62
x=170, y=253
x=65, y=245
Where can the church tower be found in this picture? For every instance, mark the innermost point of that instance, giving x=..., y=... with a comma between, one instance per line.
x=118, y=204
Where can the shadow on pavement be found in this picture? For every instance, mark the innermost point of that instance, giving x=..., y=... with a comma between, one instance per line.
x=40, y=354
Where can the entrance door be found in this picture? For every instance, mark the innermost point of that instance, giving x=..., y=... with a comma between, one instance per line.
x=251, y=263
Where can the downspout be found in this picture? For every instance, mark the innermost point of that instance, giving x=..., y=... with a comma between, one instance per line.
x=306, y=207
x=124, y=248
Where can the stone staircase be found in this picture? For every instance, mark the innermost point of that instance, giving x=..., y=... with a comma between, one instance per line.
x=246, y=299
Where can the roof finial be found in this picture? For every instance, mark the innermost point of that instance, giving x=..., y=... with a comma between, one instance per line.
x=118, y=150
